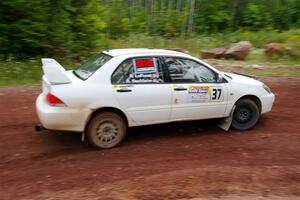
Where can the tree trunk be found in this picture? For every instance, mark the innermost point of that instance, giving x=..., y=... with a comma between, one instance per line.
x=178, y=6
x=191, y=16
x=131, y=9
x=234, y=14
x=106, y=2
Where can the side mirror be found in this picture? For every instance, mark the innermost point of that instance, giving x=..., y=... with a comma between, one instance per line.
x=219, y=78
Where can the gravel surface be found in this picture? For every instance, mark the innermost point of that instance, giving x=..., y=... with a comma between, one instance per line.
x=188, y=160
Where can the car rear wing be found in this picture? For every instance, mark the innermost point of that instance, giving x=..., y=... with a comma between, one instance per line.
x=54, y=72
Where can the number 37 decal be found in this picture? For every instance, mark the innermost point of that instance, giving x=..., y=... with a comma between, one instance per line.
x=216, y=94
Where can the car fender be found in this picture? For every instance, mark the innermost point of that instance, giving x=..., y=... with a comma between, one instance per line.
x=239, y=91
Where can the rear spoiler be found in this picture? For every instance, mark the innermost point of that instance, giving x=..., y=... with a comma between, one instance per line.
x=54, y=72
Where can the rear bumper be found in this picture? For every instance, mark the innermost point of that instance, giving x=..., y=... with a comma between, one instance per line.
x=60, y=118
x=267, y=103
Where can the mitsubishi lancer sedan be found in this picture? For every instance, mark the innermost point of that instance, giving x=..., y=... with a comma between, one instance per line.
x=123, y=88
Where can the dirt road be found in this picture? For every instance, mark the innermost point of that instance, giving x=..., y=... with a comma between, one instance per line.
x=174, y=161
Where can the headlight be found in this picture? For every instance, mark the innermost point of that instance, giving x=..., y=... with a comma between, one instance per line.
x=267, y=88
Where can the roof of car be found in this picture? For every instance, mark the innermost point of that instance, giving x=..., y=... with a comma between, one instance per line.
x=118, y=52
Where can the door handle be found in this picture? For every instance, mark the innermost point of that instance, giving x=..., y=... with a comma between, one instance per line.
x=180, y=89
x=124, y=90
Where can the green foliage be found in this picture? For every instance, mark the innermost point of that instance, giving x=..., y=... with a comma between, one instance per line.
x=29, y=71
x=262, y=37
x=169, y=24
x=212, y=17
x=22, y=27
x=59, y=26
x=74, y=29
x=13, y=72
x=256, y=16
x=87, y=26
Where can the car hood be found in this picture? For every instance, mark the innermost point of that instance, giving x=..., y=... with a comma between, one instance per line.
x=241, y=78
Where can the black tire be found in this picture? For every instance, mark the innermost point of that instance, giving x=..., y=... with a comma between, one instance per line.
x=245, y=115
x=106, y=130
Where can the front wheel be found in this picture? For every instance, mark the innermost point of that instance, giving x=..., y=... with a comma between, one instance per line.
x=245, y=115
x=106, y=130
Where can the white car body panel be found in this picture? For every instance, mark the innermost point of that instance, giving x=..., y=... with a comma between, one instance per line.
x=146, y=103
x=185, y=109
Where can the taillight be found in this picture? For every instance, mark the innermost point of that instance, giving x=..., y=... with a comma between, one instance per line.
x=53, y=100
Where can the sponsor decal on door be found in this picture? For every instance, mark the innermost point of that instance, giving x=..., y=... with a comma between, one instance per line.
x=205, y=94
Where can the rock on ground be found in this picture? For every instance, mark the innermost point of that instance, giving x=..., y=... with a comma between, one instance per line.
x=239, y=50
x=276, y=49
x=213, y=53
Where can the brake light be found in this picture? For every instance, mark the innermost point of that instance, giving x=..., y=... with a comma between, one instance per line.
x=53, y=99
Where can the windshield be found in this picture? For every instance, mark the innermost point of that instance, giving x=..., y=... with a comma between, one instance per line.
x=85, y=70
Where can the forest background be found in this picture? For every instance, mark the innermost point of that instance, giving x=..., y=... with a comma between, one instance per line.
x=72, y=30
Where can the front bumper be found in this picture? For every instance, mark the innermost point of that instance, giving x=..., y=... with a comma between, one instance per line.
x=60, y=118
x=267, y=103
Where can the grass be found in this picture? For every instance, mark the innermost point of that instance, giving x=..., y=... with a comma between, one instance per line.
x=195, y=43
x=23, y=72
x=270, y=69
x=20, y=73
x=30, y=72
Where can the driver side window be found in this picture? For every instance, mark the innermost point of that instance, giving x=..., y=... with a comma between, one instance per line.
x=139, y=70
x=188, y=71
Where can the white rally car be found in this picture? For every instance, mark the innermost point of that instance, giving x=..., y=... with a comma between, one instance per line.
x=123, y=88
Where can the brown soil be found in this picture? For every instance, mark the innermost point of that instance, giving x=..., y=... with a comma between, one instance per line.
x=173, y=161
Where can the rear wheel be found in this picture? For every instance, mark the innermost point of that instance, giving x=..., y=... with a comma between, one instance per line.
x=245, y=115
x=106, y=130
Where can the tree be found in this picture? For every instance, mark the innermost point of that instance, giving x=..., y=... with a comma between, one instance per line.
x=59, y=26
x=191, y=16
x=256, y=16
x=88, y=26
x=78, y=27
x=211, y=18
x=22, y=29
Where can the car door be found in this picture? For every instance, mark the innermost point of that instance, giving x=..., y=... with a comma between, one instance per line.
x=138, y=85
x=196, y=93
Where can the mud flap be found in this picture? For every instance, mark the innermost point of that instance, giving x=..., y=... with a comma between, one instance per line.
x=82, y=136
x=226, y=122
